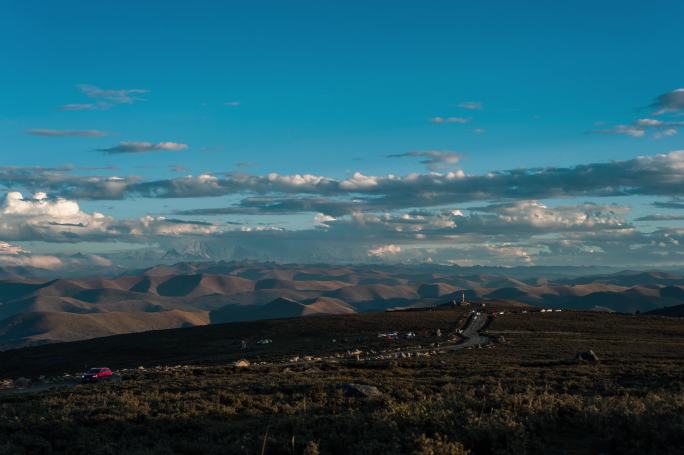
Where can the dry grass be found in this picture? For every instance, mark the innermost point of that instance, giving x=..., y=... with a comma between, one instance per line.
x=519, y=397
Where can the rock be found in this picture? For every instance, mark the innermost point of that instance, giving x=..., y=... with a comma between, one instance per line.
x=361, y=391
x=242, y=363
x=22, y=383
x=587, y=357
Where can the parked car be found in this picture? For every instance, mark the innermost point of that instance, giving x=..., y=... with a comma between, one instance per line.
x=96, y=374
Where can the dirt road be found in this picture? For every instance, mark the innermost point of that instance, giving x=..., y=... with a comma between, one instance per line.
x=471, y=333
x=36, y=387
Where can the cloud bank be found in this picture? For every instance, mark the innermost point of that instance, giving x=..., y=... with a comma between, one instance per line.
x=654, y=175
x=501, y=217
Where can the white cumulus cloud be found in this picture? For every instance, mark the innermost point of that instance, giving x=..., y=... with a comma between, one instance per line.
x=384, y=250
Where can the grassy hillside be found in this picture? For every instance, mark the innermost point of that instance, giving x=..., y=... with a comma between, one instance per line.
x=221, y=343
x=36, y=327
x=523, y=395
x=674, y=311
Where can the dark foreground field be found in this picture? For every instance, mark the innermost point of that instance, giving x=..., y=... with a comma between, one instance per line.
x=523, y=395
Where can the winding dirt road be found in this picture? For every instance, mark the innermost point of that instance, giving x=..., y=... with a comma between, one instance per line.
x=471, y=332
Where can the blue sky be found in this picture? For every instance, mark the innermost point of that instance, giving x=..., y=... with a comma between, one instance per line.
x=332, y=88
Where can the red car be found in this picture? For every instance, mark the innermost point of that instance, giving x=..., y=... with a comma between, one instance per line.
x=96, y=374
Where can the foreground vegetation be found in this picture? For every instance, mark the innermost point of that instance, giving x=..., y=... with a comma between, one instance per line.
x=525, y=395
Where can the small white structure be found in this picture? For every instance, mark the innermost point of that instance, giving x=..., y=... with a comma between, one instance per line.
x=463, y=301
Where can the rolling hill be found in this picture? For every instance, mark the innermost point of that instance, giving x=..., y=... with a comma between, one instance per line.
x=37, y=327
x=195, y=293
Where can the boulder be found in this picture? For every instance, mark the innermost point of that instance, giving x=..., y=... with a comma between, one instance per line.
x=242, y=363
x=361, y=391
x=22, y=383
x=587, y=357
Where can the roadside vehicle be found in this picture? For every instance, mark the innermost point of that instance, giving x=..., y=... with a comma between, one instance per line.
x=96, y=374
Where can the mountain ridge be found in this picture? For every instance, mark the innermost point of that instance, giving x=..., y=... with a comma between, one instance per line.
x=211, y=292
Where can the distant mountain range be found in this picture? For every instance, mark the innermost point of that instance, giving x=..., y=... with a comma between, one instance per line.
x=35, y=311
